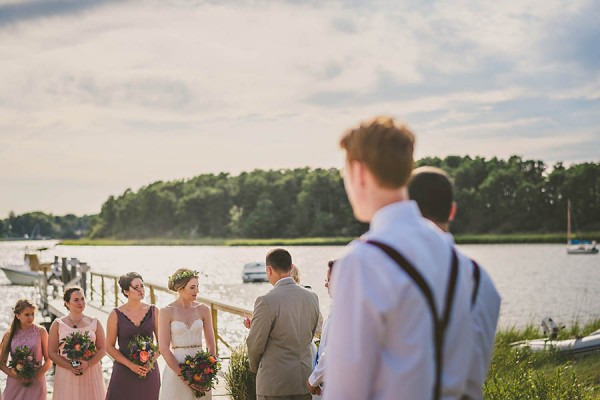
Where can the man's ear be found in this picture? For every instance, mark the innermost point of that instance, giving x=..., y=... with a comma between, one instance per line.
x=452, y=212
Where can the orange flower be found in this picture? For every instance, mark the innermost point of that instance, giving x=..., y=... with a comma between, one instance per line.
x=208, y=370
x=144, y=356
x=197, y=377
x=87, y=354
x=77, y=347
x=212, y=360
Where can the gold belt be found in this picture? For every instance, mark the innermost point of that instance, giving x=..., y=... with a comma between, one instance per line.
x=186, y=347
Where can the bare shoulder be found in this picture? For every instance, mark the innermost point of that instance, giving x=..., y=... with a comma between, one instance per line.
x=42, y=331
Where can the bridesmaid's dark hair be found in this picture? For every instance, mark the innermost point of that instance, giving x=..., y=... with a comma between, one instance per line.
x=69, y=292
x=125, y=281
x=20, y=306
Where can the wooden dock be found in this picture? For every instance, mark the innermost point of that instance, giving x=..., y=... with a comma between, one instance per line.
x=99, y=307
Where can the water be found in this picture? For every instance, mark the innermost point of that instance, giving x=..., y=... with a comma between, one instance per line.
x=535, y=280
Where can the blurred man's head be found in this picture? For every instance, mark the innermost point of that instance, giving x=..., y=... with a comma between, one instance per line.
x=432, y=189
x=379, y=160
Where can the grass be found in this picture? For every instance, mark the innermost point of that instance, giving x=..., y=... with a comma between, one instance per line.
x=518, y=373
x=322, y=241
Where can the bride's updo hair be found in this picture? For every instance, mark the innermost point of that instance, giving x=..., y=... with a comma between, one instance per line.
x=180, y=278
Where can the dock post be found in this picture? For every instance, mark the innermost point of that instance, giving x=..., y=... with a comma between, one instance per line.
x=214, y=312
x=102, y=291
x=83, y=270
x=116, y=284
x=91, y=286
x=152, y=295
x=64, y=274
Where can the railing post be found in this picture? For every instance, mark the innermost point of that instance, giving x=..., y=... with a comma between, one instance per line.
x=102, y=290
x=116, y=284
x=91, y=286
x=152, y=295
x=214, y=312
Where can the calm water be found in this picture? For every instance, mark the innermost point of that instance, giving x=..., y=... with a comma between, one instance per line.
x=535, y=281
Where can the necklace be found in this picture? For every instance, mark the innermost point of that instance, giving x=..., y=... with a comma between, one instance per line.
x=73, y=322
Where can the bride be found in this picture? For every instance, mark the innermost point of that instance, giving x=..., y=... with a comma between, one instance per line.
x=180, y=327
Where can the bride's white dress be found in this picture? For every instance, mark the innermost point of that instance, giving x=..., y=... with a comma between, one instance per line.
x=184, y=340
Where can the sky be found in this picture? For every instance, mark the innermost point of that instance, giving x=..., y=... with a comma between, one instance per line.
x=100, y=96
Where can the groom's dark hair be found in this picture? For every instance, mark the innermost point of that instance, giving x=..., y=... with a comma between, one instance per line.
x=280, y=260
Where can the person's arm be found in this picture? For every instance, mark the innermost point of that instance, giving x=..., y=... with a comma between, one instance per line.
x=259, y=332
x=112, y=329
x=44, y=342
x=164, y=340
x=4, y=359
x=54, y=350
x=209, y=333
x=357, y=329
x=100, y=348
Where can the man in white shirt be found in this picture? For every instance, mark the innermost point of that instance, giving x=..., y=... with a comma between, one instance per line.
x=432, y=189
x=381, y=332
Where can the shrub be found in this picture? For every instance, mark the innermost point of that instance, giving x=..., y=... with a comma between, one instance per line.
x=239, y=381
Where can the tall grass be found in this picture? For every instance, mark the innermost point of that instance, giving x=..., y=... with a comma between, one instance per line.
x=519, y=373
x=239, y=381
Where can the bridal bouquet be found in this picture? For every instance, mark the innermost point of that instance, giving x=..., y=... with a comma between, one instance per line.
x=23, y=363
x=78, y=346
x=200, y=370
x=142, y=351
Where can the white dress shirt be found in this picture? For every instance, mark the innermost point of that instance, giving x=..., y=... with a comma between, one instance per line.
x=316, y=377
x=484, y=315
x=380, y=343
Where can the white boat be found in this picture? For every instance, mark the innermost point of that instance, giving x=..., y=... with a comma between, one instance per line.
x=577, y=346
x=578, y=246
x=19, y=275
x=29, y=273
x=254, y=272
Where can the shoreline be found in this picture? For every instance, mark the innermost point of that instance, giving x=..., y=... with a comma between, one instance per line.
x=488, y=238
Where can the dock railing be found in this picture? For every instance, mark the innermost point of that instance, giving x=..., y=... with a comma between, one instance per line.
x=112, y=297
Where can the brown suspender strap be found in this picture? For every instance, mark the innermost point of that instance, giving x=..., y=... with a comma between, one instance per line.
x=439, y=323
x=476, y=281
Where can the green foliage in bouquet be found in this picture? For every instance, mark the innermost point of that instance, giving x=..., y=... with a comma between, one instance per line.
x=22, y=361
x=239, y=381
x=78, y=346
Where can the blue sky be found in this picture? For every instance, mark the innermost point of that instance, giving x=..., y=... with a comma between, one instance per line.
x=100, y=96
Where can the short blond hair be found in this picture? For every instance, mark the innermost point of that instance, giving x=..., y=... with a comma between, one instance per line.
x=385, y=147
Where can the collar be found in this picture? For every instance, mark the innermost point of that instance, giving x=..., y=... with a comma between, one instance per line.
x=285, y=281
x=388, y=216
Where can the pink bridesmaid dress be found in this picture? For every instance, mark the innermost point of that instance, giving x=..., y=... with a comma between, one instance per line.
x=15, y=390
x=67, y=385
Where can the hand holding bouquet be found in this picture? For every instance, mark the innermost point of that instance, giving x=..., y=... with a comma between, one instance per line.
x=77, y=347
x=142, y=351
x=200, y=372
x=23, y=363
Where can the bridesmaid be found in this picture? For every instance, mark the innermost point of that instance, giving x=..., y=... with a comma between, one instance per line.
x=133, y=318
x=84, y=381
x=23, y=332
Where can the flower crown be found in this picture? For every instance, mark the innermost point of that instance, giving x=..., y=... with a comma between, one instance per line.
x=183, y=275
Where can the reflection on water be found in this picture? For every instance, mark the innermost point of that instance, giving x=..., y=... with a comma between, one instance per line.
x=535, y=280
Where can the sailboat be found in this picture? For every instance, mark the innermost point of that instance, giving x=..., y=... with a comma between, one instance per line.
x=578, y=246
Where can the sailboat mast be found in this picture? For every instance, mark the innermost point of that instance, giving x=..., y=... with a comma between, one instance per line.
x=568, y=222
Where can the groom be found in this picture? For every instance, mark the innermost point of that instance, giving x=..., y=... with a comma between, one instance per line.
x=283, y=325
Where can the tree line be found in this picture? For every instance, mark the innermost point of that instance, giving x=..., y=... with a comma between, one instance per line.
x=493, y=196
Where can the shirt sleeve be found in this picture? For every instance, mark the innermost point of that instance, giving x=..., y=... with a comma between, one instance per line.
x=259, y=332
x=356, y=327
x=316, y=377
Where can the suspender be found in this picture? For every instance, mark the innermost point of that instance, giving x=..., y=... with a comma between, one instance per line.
x=476, y=279
x=439, y=324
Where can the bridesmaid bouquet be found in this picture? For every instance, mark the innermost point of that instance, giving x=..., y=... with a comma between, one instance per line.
x=142, y=351
x=23, y=363
x=78, y=346
x=200, y=370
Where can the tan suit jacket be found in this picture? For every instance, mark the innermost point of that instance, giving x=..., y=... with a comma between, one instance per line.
x=279, y=342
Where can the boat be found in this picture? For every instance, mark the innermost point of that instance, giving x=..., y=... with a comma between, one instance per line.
x=28, y=274
x=254, y=272
x=17, y=275
x=578, y=246
x=577, y=346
